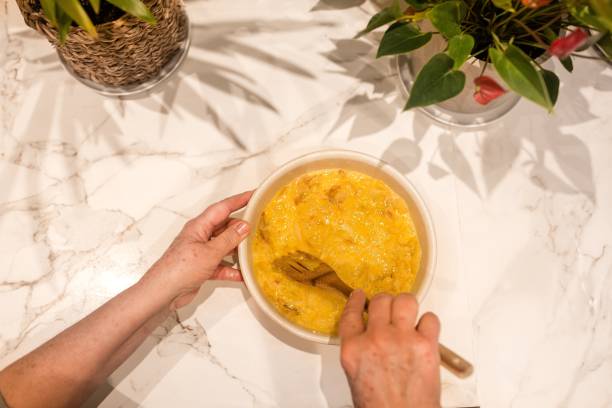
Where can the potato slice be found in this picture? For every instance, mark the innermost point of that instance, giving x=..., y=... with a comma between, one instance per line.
x=316, y=308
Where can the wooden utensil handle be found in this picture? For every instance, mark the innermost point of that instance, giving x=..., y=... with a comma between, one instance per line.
x=454, y=363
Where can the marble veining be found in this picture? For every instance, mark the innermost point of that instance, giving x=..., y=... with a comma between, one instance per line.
x=93, y=189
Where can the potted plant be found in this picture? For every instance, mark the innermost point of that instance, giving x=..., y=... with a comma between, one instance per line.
x=112, y=45
x=477, y=50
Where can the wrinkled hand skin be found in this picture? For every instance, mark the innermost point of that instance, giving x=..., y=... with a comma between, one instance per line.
x=196, y=254
x=65, y=371
x=393, y=362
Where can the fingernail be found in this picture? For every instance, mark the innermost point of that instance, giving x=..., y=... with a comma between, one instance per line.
x=242, y=228
x=355, y=291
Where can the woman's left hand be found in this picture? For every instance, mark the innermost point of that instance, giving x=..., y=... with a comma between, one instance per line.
x=196, y=254
x=65, y=370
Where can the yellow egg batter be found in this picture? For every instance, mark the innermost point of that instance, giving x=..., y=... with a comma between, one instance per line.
x=352, y=222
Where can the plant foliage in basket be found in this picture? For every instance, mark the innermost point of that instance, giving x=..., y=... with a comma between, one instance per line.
x=509, y=34
x=63, y=13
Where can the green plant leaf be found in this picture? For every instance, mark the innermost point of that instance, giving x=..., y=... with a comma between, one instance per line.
x=136, y=8
x=604, y=12
x=552, y=84
x=400, y=38
x=459, y=49
x=567, y=64
x=583, y=12
x=74, y=9
x=95, y=5
x=64, y=23
x=605, y=43
x=520, y=74
x=436, y=82
x=447, y=16
x=385, y=16
x=418, y=4
x=48, y=7
x=549, y=34
x=504, y=5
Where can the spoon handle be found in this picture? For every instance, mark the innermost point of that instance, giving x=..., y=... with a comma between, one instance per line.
x=454, y=363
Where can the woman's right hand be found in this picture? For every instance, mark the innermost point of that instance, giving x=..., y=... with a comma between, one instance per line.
x=390, y=363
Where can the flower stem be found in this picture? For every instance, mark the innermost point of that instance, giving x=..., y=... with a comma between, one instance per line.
x=533, y=33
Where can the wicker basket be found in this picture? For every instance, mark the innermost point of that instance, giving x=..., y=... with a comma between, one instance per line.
x=127, y=51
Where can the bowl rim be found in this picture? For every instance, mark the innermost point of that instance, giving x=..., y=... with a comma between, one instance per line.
x=249, y=215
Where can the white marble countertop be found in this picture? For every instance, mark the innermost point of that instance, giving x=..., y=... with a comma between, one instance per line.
x=93, y=189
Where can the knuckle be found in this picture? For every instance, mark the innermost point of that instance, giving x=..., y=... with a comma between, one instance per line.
x=215, y=206
x=189, y=225
x=382, y=339
x=381, y=296
x=349, y=323
x=347, y=355
x=422, y=348
x=408, y=300
x=217, y=209
x=351, y=310
x=346, y=317
x=229, y=238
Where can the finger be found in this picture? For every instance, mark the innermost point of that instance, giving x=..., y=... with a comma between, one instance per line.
x=217, y=213
x=429, y=326
x=221, y=227
x=227, y=273
x=379, y=311
x=351, y=322
x=404, y=311
x=231, y=256
x=224, y=225
x=228, y=240
x=230, y=222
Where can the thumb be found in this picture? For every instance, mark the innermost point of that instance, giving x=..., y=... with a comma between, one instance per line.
x=229, y=239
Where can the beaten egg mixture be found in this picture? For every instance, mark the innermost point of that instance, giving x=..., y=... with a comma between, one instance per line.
x=352, y=222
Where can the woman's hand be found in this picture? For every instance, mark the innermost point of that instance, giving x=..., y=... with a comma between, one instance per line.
x=197, y=253
x=391, y=363
x=66, y=369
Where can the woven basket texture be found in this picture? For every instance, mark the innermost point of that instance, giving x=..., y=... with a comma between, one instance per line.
x=127, y=51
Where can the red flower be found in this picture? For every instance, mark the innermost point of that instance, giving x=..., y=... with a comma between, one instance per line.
x=562, y=47
x=487, y=89
x=535, y=3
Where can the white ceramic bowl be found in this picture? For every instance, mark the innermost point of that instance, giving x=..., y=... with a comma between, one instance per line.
x=348, y=160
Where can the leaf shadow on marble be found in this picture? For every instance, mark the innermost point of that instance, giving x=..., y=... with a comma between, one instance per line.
x=231, y=38
x=180, y=93
x=336, y=4
x=456, y=161
x=553, y=160
x=551, y=157
x=369, y=109
x=220, y=41
x=53, y=121
x=403, y=154
x=604, y=83
x=574, y=162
